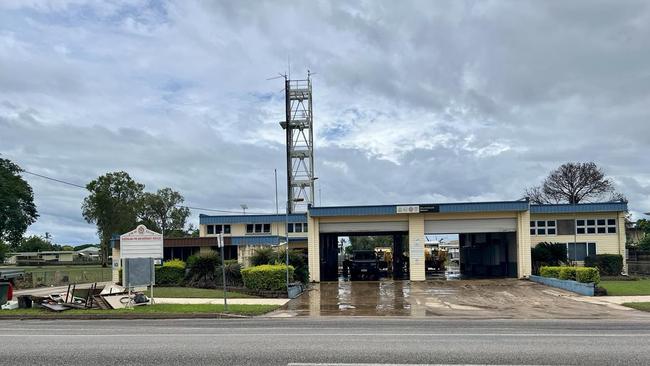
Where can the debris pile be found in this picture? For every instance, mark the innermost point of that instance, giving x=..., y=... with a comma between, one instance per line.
x=84, y=297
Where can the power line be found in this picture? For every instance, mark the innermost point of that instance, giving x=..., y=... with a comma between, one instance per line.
x=183, y=206
x=54, y=179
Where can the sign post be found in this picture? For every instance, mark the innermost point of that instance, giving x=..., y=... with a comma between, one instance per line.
x=135, y=246
x=223, y=272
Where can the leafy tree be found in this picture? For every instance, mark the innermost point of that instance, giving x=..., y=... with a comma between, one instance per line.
x=17, y=209
x=36, y=243
x=160, y=211
x=113, y=204
x=574, y=183
x=644, y=244
x=644, y=225
x=84, y=246
x=4, y=249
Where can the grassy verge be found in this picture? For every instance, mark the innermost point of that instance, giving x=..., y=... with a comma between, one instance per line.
x=643, y=306
x=627, y=288
x=190, y=292
x=167, y=309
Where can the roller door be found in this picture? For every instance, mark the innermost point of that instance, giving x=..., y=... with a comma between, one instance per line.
x=470, y=226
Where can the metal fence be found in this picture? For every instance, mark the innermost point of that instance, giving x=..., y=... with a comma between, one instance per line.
x=58, y=277
x=638, y=262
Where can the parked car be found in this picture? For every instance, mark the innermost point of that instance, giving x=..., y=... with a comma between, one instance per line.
x=364, y=264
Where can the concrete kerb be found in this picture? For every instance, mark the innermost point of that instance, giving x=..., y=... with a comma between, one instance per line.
x=108, y=316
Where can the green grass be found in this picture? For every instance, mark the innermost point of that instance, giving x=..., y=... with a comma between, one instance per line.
x=643, y=306
x=153, y=309
x=190, y=292
x=626, y=288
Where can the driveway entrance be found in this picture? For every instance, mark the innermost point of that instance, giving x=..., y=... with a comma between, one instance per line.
x=493, y=299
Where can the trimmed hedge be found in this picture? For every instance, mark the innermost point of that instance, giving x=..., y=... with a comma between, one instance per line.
x=607, y=264
x=587, y=275
x=267, y=277
x=176, y=263
x=567, y=273
x=579, y=274
x=169, y=276
x=551, y=272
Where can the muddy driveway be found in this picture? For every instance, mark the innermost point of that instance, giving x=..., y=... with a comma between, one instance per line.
x=501, y=298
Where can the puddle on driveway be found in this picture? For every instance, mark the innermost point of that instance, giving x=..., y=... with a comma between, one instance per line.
x=499, y=298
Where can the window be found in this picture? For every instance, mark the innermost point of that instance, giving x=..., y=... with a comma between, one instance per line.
x=257, y=228
x=297, y=227
x=218, y=229
x=290, y=227
x=566, y=227
x=596, y=226
x=579, y=251
x=543, y=227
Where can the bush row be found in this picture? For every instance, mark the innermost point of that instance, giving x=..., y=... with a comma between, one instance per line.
x=607, y=264
x=267, y=277
x=579, y=274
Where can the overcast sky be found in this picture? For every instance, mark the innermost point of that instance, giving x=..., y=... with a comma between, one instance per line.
x=428, y=101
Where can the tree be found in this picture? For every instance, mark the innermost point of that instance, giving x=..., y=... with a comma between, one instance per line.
x=113, y=204
x=4, y=249
x=17, y=209
x=35, y=243
x=160, y=211
x=574, y=183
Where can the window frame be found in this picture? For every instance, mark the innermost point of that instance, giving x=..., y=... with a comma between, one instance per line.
x=599, y=226
x=542, y=227
x=587, y=251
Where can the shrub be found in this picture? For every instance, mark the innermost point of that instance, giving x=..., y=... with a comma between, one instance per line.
x=267, y=277
x=607, y=264
x=230, y=261
x=262, y=256
x=169, y=276
x=233, y=275
x=298, y=260
x=567, y=273
x=201, y=270
x=587, y=275
x=548, y=254
x=552, y=272
x=175, y=263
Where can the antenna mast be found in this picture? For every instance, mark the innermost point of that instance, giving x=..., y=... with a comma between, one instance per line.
x=298, y=126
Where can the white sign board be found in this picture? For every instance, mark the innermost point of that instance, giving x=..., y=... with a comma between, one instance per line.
x=408, y=209
x=141, y=243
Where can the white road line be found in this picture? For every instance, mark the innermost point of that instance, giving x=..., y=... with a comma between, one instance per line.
x=395, y=364
x=179, y=335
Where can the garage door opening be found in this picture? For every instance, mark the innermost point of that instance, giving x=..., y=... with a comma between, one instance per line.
x=364, y=256
x=471, y=255
x=471, y=248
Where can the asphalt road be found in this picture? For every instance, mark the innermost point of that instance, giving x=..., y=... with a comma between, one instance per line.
x=333, y=340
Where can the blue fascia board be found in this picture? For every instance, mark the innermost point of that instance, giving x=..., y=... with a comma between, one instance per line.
x=484, y=206
x=579, y=208
x=443, y=208
x=256, y=240
x=352, y=210
x=251, y=219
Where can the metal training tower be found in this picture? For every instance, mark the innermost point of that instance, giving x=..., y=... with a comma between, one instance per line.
x=300, y=143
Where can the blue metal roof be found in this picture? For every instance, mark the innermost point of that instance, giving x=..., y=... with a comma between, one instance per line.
x=256, y=240
x=578, y=208
x=251, y=219
x=433, y=207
